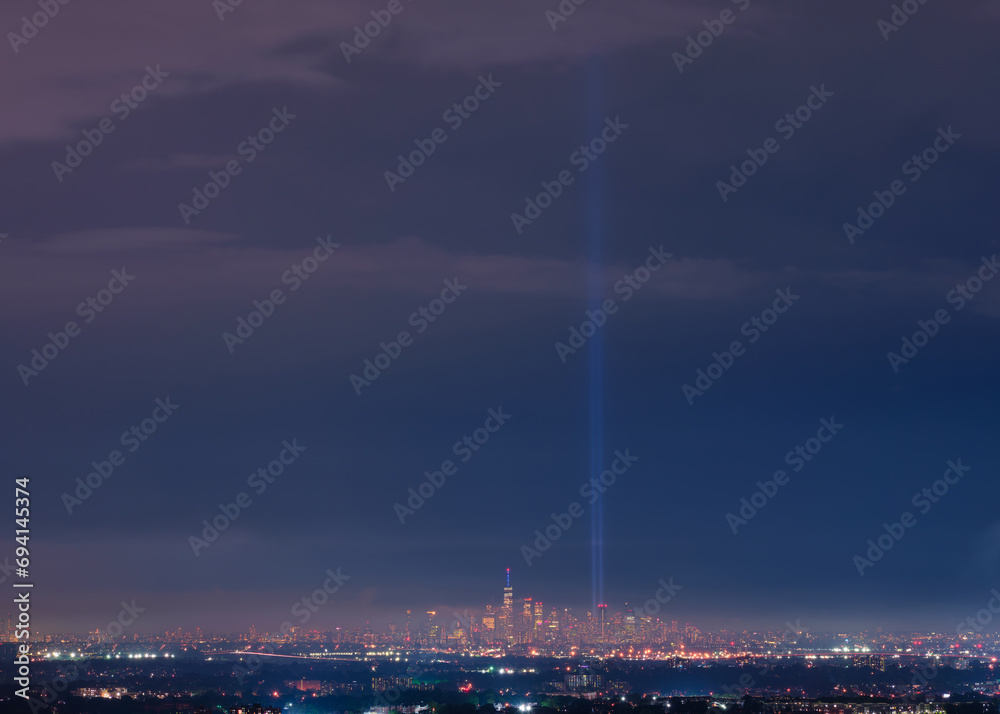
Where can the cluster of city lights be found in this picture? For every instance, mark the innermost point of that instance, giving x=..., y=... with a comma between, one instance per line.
x=74, y=655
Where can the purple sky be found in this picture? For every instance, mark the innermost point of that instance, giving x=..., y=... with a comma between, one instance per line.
x=656, y=185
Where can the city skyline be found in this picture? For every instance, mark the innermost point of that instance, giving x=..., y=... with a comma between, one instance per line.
x=700, y=293
x=507, y=614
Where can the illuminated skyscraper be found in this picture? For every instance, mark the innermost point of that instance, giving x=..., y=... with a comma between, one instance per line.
x=526, y=624
x=490, y=626
x=568, y=622
x=430, y=631
x=506, y=624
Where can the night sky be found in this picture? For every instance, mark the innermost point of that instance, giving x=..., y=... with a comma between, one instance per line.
x=499, y=293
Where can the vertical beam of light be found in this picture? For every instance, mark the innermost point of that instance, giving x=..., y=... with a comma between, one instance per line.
x=595, y=292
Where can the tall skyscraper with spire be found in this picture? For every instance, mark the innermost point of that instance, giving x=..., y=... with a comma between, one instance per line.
x=507, y=614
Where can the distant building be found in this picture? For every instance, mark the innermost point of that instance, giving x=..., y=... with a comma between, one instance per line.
x=583, y=682
x=630, y=628
x=382, y=684
x=102, y=692
x=876, y=662
x=490, y=626
x=254, y=709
